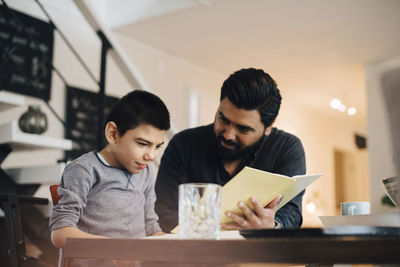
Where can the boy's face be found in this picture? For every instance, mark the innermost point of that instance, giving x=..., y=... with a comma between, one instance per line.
x=136, y=148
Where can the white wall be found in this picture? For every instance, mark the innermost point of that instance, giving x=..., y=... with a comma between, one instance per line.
x=380, y=146
x=172, y=78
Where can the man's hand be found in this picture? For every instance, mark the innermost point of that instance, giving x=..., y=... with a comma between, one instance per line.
x=260, y=218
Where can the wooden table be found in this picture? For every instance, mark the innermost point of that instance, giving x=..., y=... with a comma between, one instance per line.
x=322, y=250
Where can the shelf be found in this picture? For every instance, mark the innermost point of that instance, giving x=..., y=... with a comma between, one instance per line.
x=9, y=100
x=10, y=134
x=47, y=174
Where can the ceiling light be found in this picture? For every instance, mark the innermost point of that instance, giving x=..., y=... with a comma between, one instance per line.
x=351, y=111
x=336, y=103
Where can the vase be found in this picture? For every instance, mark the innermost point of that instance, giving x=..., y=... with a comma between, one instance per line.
x=33, y=121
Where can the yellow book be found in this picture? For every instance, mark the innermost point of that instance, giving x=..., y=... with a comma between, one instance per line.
x=262, y=185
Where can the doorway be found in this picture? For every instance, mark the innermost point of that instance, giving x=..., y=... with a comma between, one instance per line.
x=351, y=176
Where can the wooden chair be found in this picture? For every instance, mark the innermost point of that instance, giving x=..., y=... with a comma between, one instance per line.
x=54, y=194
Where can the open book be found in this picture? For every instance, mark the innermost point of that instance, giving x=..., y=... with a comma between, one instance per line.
x=262, y=185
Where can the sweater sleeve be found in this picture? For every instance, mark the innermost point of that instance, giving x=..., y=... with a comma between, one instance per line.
x=151, y=218
x=292, y=163
x=75, y=185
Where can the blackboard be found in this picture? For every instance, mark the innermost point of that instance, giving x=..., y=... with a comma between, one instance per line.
x=26, y=52
x=82, y=119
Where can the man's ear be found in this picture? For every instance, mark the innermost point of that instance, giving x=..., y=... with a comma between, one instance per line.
x=268, y=129
x=111, y=132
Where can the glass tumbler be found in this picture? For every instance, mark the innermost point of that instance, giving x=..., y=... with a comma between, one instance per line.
x=199, y=211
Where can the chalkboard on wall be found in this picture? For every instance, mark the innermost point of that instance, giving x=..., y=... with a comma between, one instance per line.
x=26, y=51
x=82, y=119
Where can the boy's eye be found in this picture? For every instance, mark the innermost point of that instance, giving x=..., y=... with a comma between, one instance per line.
x=142, y=144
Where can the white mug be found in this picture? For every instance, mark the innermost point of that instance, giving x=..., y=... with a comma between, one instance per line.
x=355, y=208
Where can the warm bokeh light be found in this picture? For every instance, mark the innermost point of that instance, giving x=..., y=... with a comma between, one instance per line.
x=335, y=103
x=311, y=207
x=351, y=111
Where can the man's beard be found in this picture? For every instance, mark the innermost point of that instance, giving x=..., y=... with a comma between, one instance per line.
x=235, y=153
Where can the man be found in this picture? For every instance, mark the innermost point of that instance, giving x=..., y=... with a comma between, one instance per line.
x=241, y=135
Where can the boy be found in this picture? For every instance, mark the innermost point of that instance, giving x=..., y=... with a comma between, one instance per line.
x=111, y=193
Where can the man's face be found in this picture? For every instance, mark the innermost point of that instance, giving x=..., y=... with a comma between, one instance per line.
x=237, y=130
x=138, y=147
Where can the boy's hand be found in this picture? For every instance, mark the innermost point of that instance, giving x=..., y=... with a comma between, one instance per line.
x=260, y=218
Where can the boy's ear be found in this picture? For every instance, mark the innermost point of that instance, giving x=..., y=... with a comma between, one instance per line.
x=111, y=132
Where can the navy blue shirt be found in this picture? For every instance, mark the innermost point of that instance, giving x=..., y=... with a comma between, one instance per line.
x=191, y=157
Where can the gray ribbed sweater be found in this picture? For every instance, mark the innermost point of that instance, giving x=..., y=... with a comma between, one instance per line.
x=104, y=200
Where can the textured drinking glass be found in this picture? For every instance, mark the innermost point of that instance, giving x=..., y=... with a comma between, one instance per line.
x=199, y=211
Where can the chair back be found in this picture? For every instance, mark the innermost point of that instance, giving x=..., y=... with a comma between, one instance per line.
x=54, y=194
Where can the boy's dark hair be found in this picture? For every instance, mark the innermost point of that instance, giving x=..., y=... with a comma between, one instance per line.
x=253, y=89
x=139, y=107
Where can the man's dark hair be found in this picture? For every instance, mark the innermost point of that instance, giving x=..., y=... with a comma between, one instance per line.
x=253, y=89
x=139, y=107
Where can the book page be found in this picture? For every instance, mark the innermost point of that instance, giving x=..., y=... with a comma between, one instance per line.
x=300, y=183
x=250, y=182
